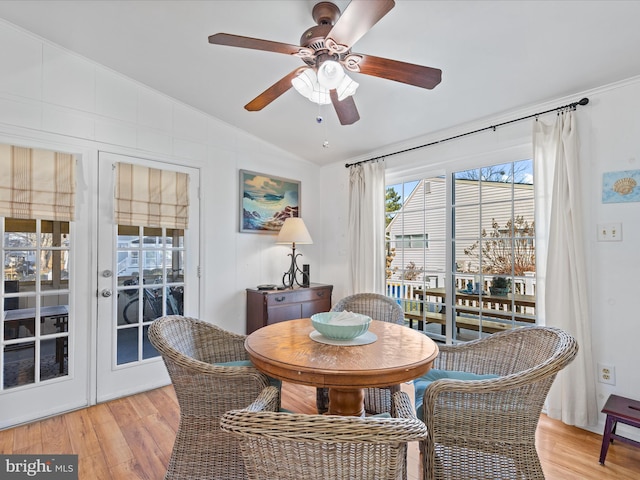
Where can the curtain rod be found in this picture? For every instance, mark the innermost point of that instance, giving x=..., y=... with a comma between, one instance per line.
x=573, y=106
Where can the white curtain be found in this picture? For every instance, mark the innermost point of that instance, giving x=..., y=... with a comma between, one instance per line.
x=561, y=271
x=366, y=228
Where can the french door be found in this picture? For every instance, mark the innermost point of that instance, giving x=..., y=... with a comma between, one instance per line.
x=143, y=273
x=44, y=347
x=69, y=339
x=45, y=290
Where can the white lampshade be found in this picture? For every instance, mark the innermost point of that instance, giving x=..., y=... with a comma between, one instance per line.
x=346, y=88
x=294, y=231
x=306, y=84
x=330, y=74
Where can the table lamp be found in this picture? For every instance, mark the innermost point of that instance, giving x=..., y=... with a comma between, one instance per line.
x=293, y=231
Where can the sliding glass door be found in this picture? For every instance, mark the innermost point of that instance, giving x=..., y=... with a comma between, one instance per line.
x=448, y=281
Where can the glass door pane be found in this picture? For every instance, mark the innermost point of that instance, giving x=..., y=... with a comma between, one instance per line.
x=416, y=252
x=158, y=291
x=35, y=325
x=494, y=249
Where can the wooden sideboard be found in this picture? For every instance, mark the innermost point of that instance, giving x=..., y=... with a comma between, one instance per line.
x=265, y=307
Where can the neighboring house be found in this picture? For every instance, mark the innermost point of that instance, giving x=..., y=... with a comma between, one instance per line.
x=417, y=231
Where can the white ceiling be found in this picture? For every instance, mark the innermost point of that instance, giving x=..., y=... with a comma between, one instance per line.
x=495, y=56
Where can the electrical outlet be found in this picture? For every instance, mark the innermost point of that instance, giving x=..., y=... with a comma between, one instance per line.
x=609, y=232
x=606, y=374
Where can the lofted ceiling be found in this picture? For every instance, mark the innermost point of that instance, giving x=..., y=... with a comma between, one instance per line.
x=495, y=56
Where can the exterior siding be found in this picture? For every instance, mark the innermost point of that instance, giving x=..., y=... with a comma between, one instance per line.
x=425, y=212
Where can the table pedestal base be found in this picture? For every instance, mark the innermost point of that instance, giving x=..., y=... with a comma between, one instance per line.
x=346, y=401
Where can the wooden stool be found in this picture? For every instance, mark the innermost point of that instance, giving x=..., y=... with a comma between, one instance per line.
x=623, y=410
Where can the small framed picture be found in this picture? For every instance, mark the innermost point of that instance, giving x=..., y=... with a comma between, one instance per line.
x=265, y=202
x=621, y=186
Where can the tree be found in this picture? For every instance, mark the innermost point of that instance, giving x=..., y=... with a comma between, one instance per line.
x=498, y=256
x=393, y=203
x=412, y=272
x=518, y=172
x=391, y=253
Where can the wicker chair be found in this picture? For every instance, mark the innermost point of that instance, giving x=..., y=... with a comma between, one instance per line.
x=190, y=349
x=290, y=446
x=485, y=429
x=378, y=307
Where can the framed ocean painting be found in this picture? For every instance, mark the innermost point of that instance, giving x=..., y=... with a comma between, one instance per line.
x=265, y=202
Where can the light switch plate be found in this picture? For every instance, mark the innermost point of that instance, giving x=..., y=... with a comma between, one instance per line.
x=610, y=232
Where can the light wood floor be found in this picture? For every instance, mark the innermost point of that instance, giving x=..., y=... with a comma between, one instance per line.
x=131, y=438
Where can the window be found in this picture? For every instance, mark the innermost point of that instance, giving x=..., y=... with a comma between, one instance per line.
x=158, y=282
x=416, y=243
x=412, y=241
x=35, y=325
x=492, y=243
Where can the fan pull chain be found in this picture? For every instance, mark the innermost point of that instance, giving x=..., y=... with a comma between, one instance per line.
x=320, y=121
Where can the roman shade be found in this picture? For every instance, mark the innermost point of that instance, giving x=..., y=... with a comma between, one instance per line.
x=151, y=197
x=37, y=184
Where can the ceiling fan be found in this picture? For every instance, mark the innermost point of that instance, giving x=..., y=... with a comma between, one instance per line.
x=326, y=50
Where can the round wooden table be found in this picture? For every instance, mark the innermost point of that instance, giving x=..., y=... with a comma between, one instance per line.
x=285, y=351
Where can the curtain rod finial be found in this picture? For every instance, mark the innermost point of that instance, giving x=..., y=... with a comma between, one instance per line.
x=583, y=101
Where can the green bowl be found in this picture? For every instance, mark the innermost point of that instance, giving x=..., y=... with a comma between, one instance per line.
x=348, y=330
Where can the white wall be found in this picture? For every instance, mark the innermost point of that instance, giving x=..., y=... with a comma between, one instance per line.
x=53, y=98
x=610, y=134
x=608, y=131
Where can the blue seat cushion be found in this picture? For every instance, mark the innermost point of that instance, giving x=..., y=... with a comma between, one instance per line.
x=420, y=384
x=235, y=363
x=381, y=415
x=247, y=363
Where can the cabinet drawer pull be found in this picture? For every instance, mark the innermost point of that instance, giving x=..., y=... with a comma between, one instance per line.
x=280, y=299
x=320, y=294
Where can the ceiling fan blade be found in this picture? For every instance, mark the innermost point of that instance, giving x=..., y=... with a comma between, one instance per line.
x=357, y=19
x=346, y=109
x=417, y=75
x=273, y=92
x=253, y=43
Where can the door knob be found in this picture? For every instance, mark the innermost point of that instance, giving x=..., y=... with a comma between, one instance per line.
x=105, y=292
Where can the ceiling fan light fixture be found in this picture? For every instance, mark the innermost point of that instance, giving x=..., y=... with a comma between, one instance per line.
x=326, y=52
x=306, y=84
x=330, y=74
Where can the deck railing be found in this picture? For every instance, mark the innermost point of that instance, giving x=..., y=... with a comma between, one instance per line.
x=404, y=289
x=488, y=315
